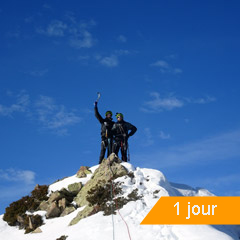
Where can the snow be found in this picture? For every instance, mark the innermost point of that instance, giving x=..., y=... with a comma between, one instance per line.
x=151, y=184
x=69, y=180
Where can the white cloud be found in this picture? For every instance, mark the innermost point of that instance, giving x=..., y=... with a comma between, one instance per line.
x=38, y=73
x=122, y=39
x=177, y=70
x=55, y=117
x=111, y=61
x=159, y=104
x=13, y=175
x=165, y=67
x=164, y=136
x=203, y=100
x=55, y=29
x=121, y=52
x=148, y=139
x=77, y=34
x=222, y=147
x=21, y=105
x=83, y=58
x=83, y=40
x=161, y=64
x=51, y=116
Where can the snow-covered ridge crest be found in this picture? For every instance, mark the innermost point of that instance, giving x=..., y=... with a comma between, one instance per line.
x=151, y=185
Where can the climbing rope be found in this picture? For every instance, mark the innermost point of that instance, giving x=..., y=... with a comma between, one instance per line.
x=112, y=212
x=113, y=196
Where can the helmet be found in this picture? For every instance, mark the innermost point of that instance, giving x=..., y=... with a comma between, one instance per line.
x=119, y=114
x=108, y=112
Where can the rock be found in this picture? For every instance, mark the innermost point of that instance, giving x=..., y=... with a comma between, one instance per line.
x=53, y=211
x=55, y=196
x=37, y=230
x=101, y=176
x=62, y=203
x=44, y=205
x=87, y=211
x=37, y=187
x=20, y=221
x=56, y=203
x=66, y=194
x=62, y=238
x=83, y=171
x=67, y=211
x=75, y=188
x=30, y=223
x=113, y=158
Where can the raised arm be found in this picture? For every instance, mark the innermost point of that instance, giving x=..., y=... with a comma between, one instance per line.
x=97, y=114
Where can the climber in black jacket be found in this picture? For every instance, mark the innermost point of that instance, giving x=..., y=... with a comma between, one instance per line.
x=106, y=132
x=121, y=134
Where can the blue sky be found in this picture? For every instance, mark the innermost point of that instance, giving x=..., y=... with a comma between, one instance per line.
x=171, y=67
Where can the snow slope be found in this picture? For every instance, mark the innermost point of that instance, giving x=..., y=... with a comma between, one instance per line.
x=150, y=183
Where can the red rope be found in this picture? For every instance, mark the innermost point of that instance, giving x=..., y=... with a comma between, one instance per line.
x=119, y=211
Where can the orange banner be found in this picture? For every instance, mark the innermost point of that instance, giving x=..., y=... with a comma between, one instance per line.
x=195, y=210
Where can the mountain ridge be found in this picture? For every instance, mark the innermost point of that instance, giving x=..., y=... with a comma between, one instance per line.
x=151, y=184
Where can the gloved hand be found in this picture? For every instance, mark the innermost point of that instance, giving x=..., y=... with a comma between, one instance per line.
x=95, y=104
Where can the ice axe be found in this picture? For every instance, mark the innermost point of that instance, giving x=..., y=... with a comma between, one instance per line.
x=98, y=96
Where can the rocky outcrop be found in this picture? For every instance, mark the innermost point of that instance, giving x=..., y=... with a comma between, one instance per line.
x=63, y=202
x=62, y=238
x=83, y=171
x=43, y=206
x=67, y=211
x=53, y=211
x=75, y=188
x=37, y=230
x=58, y=204
x=15, y=214
x=102, y=175
x=34, y=222
x=87, y=211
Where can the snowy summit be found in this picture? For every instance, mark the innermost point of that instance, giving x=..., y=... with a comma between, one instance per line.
x=80, y=207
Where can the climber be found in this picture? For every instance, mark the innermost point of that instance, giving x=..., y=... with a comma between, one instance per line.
x=120, y=132
x=106, y=134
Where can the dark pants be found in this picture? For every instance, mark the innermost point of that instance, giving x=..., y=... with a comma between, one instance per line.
x=123, y=146
x=105, y=144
